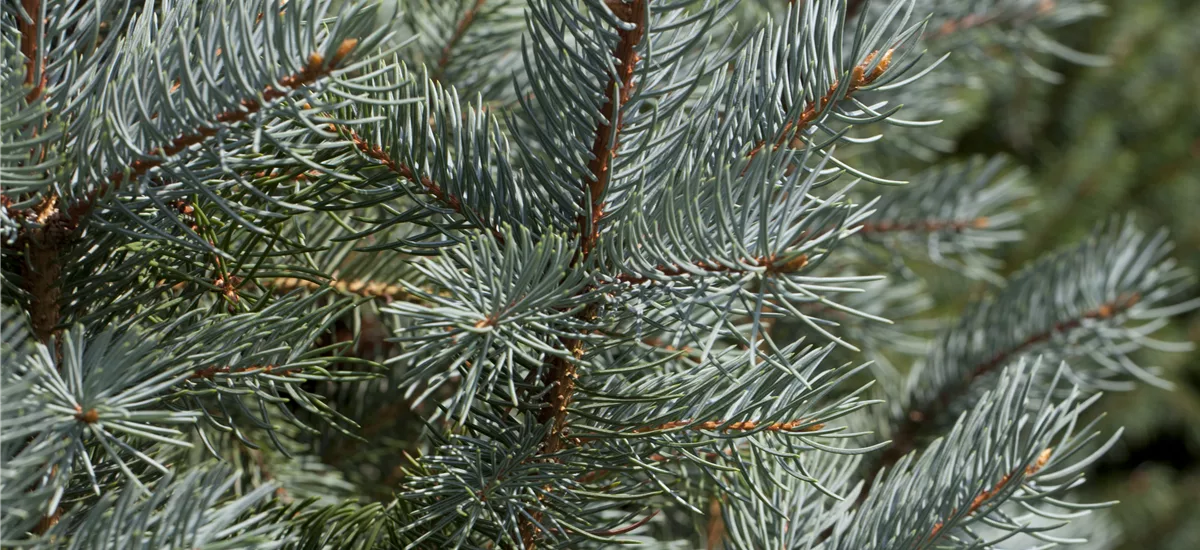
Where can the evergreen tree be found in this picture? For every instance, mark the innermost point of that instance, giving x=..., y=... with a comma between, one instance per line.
x=555, y=273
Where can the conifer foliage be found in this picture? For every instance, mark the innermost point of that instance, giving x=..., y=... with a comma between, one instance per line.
x=539, y=274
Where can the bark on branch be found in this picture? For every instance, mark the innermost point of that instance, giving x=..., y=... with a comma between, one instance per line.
x=560, y=372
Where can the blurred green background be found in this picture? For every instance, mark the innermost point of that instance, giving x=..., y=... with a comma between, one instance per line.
x=1124, y=138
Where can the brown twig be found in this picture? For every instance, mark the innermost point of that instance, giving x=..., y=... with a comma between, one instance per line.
x=604, y=149
x=208, y=373
x=368, y=289
x=316, y=68
x=31, y=38
x=859, y=78
x=791, y=426
x=715, y=532
x=791, y=132
x=41, y=271
x=853, y=7
x=607, y=135
x=928, y=226
x=560, y=374
x=431, y=187
x=972, y=21
x=627, y=529
x=773, y=265
x=916, y=420
x=979, y=500
x=867, y=228
x=460, y=30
